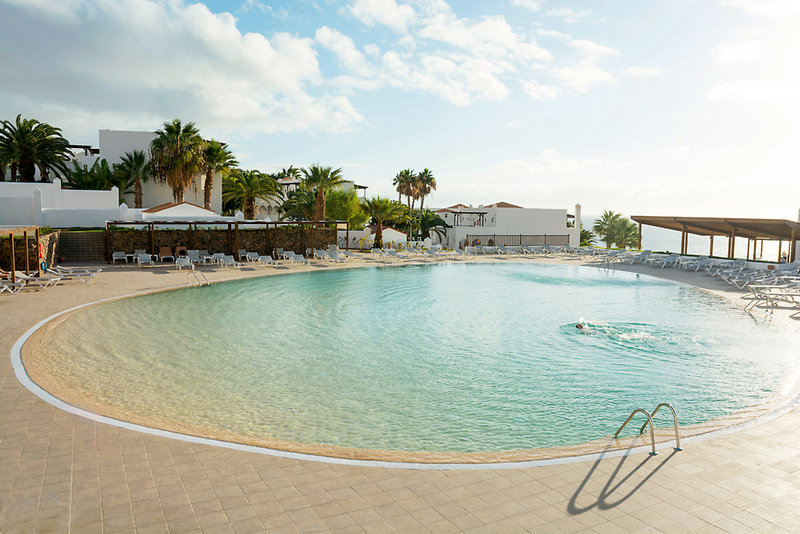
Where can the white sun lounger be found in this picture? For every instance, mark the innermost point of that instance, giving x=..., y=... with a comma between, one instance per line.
x=183, y=261
x=228, y=261
x=11, y=287
x=144, y=259
x=118, y=255
x=267, y=261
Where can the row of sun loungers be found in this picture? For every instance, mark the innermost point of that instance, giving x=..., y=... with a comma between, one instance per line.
x=48, y=278
x=767, y=287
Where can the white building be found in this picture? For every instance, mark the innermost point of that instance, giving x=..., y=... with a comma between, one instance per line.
x=115, y=143
x=502, y=223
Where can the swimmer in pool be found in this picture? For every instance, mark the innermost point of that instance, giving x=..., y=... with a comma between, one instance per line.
x=583, y=328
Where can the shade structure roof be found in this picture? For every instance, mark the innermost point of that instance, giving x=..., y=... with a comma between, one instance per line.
x=769, y=229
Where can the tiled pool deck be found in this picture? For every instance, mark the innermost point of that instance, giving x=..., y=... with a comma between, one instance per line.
x=62, y=473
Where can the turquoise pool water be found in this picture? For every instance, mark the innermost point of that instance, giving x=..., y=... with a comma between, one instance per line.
x=482, y=357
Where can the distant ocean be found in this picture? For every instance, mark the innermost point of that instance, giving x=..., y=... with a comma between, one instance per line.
x=662, y=240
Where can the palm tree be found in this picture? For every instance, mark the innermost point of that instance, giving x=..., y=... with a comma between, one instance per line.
x=247, y=186
x=604, y=226
x=425, y=184
x=135, y=168
x=27, y=143
x=216, y=158
x=176, y=156
x=291, y=172
x=321, y=179
x=381, y=210
x=625, y=232
x=96, y=177
x=587, y=238
x=431, y=222
x=403, y=182
x=298, y=206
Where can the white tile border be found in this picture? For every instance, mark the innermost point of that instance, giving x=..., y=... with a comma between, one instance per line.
x=25, y=380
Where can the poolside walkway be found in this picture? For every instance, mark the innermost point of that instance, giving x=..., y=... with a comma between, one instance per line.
x=63, y=473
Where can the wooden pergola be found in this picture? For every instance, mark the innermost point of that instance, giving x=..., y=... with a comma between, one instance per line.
x=24, y=231
x=233, y=230
x=754, y=230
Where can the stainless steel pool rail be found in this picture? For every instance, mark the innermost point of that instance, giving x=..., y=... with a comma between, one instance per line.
x=674, y=420
x=197, y=281
x=650, y=422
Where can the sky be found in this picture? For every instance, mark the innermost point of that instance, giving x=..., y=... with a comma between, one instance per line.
x=661, y=107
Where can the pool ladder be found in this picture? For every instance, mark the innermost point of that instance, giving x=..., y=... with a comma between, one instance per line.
x=197, y=281
x=650, y=422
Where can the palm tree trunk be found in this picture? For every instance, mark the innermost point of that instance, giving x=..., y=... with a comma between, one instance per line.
x=14, y=171
x=177, y=194
x=250, y=209
x=207, y=189
x=27, y=170
x=379, y=235
x=137, y=194
x=320, y=208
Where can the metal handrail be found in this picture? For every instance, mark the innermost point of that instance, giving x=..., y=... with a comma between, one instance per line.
x=650, y=420
x=197, y=278
x=674, y=419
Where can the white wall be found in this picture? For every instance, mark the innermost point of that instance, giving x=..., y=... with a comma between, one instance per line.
x=511, y=221
x=46, y=204
x=115, y=143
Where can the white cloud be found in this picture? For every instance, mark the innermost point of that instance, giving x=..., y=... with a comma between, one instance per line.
x=542, y=92
x=584, y=73
x=754, y=92
x=569, y=15
x=344, y=49
x=530, y=5
x=388, y=13
x=171, y=59
x=742, y=52
x=642, y=72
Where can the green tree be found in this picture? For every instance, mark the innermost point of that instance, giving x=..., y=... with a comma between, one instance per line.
x=247, y=186
x=85, y=177
x=27, y=143
x=381, y=210
x=216, y=158
x=345, y=206
x=321, y=180
x=625, y=233
x=176, y=156
x=604, y=227
x=404, y=185
x=587, y=238
x=135, y=168
x=298, y=206
x=425, y=184
x=431, y=222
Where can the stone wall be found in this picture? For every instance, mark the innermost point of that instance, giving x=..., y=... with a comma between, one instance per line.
x=250, y=239
x=49, y=243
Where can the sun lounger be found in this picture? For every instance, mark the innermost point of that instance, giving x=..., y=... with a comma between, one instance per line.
x=299, y=258
x=164, y=253
x=228, y=261
x=350, y=255
x=251, y=256
x=118, y=255
x=145, y=259
x=183, y=261
x=84, y=275
x=10, y=287
x=46, y=280
x=334, y=256
x=321, y=254
x=267, y=261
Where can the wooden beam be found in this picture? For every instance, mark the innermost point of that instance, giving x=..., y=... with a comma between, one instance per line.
x=780, y=249
x=711, y=245
x=39, y=263
x=792, y=246
x=732, y=251
x=27, y=253
x=13, y=259
x=236, y=241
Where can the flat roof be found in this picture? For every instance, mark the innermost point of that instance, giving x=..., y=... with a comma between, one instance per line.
x=775, y=229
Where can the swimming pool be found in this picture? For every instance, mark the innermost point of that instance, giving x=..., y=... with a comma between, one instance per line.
x=421, y=358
